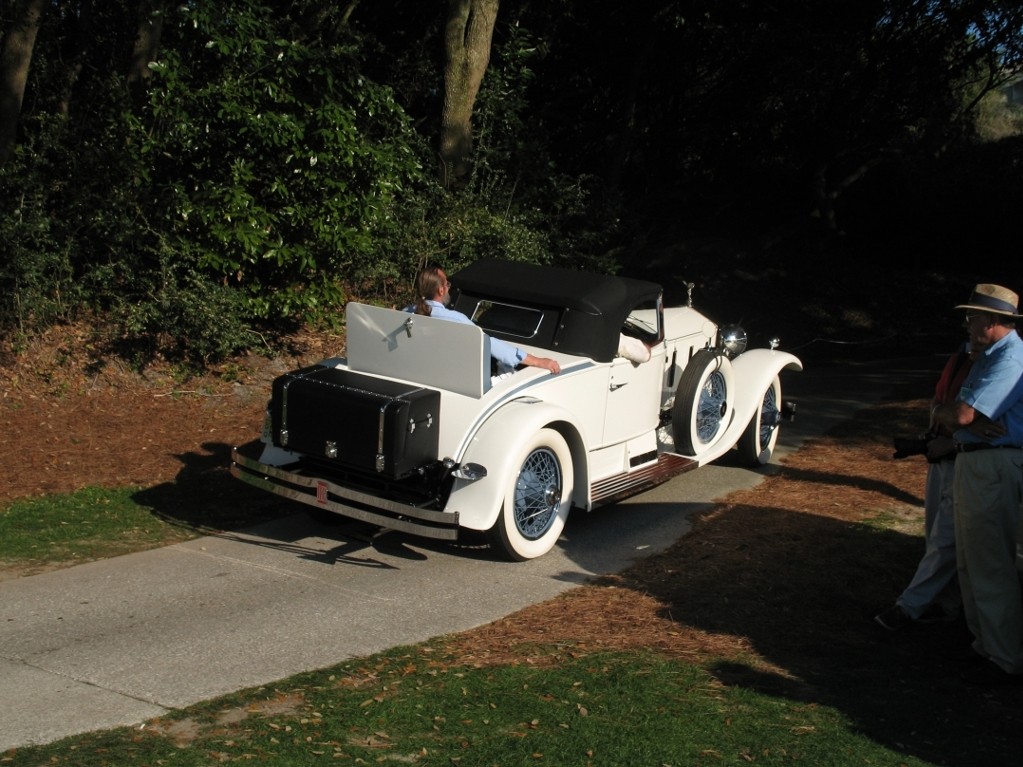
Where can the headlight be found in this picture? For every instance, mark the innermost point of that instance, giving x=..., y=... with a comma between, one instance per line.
x=733, y=341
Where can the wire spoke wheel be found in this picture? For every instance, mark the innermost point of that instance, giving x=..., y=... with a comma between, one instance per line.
x=703, y=402
x=757, y=443
x=538, y=499
x=537, y=493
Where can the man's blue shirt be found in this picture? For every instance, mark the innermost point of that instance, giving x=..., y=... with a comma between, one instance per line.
x=994, y=387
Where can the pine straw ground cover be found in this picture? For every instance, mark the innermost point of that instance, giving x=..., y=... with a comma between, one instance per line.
x=75, y=416
x=773, y=590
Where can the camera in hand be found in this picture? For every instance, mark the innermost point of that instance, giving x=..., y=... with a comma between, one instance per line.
x=907, y=446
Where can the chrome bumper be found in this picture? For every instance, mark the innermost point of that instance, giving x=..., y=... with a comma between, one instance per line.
x=323, y=494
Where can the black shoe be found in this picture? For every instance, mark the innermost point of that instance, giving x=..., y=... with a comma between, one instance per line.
x=935, y=614
x=990, y=674
x=893, y=619
x=966, y=655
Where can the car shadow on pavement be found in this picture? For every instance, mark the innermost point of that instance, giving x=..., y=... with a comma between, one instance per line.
x=205, y=497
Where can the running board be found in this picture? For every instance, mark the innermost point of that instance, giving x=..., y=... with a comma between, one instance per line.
x=618, y=486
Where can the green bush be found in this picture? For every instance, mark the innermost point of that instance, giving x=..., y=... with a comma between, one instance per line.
x=38, y=284
x=279, y=166
x=263, y=176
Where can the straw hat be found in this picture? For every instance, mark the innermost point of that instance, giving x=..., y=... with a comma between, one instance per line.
x=994, y=299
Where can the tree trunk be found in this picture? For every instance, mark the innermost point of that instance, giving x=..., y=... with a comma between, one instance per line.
x=467, y=37
x=147, y=44
x=80, y=38
x=15, y=58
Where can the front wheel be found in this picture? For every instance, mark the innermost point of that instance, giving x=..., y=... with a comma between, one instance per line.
x=539, y=499
x=703, y=402
x=756, y=445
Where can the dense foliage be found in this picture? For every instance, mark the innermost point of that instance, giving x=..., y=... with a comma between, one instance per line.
x=280, y=158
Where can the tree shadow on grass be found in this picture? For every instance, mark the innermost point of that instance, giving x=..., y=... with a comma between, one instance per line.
x=799, y=569
x=803, y=589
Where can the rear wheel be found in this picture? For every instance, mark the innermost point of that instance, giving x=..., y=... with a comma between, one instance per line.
x=703, y=402
x=756, y=445
x=538, y=500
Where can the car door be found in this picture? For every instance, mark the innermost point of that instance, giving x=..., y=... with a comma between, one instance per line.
x=633, y=397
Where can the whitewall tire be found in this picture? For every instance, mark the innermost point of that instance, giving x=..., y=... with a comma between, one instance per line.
x=538, y=498
x=757, y=443
x=703, y=402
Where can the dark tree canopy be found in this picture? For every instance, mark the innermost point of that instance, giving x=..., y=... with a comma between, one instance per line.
x=193, y=169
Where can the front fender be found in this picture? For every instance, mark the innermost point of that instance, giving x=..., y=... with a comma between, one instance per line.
x=495, y=447
x=753, y=372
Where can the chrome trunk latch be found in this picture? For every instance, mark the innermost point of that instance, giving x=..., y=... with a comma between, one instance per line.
x=412, y=423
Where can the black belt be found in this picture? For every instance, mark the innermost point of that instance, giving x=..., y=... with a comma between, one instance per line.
x=970, y=447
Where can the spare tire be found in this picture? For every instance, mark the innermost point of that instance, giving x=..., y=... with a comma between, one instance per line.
x=703, y=402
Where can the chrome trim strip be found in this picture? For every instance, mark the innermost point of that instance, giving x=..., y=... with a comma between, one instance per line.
x=381, y=461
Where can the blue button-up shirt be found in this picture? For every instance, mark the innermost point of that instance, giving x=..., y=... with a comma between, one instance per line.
x=994, y=387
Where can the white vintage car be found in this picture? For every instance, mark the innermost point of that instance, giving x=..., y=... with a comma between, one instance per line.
x=413, y=431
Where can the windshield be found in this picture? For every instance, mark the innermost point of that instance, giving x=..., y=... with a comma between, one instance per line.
x=519, y=321
x=642, y=322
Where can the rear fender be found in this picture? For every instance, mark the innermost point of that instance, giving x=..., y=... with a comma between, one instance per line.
x=494, y=446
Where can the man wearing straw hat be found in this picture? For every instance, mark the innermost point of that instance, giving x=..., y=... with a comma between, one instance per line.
x=987, y=420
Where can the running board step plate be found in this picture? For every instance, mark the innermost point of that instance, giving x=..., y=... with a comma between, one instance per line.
x=618, y=486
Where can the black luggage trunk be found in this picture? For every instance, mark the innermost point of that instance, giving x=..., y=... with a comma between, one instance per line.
x=356, y=421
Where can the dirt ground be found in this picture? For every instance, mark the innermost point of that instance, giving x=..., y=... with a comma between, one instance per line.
x=773, y=590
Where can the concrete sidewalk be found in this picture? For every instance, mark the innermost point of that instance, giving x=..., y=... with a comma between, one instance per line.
x=124, y=640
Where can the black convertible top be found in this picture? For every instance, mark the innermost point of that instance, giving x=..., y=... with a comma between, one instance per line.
x=583, y=311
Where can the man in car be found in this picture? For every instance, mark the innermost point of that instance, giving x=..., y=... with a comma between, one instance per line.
x=432, y=295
